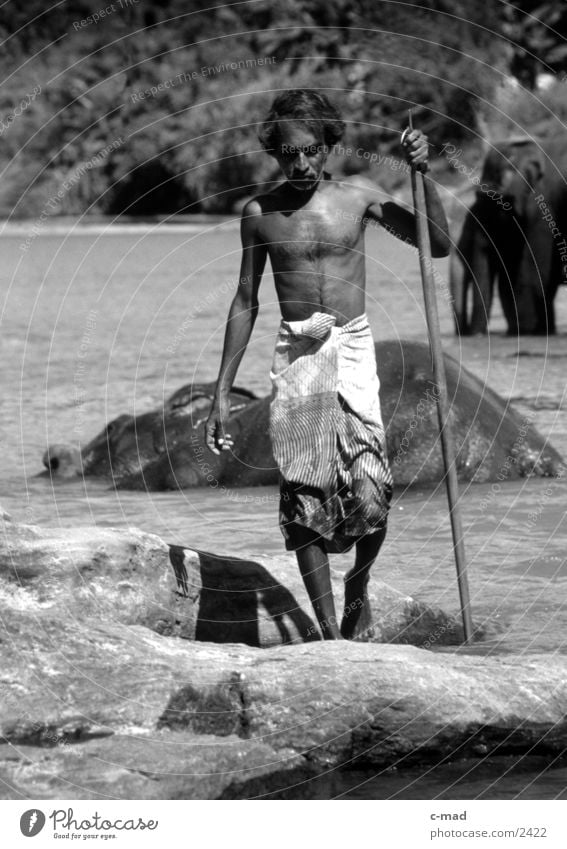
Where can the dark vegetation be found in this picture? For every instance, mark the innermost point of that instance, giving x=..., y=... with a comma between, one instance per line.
x=90, y=142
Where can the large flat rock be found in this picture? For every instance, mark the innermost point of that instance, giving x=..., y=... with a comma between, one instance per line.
x=291, y=712
x=133, y=670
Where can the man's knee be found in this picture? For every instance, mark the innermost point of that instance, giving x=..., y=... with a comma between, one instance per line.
x=372, y=500
x=299, y=537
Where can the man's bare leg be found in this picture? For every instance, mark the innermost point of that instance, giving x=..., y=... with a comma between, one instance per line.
x=357, y=616
x=314, y=567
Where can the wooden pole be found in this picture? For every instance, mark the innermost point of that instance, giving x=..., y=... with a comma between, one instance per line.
x=447, y=440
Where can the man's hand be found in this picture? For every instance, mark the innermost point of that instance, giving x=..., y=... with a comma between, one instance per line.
x=215, y=437
x=416, y=149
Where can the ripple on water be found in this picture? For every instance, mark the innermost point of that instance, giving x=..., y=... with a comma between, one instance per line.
x=549, y=567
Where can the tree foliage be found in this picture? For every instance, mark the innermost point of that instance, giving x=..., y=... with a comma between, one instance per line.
x=191, y=144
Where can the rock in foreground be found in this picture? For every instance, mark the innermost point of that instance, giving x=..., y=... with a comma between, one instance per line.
x=145, y=716
x=102, y=699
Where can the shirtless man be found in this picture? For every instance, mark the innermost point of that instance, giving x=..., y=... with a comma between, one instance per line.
x=326, y=428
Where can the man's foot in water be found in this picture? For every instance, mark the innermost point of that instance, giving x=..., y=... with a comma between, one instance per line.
x=357, y=614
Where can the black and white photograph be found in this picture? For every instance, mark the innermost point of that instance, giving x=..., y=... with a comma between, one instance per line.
x=283, y=314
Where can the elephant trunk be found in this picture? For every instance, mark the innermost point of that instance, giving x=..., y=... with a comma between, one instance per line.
x=63, y=461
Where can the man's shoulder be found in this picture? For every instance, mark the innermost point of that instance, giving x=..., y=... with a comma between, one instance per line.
x=358, y=195
x=252, y=208
x=261, y=203
x=362, y=187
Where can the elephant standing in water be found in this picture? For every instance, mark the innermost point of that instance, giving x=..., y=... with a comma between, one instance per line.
x=513, y=234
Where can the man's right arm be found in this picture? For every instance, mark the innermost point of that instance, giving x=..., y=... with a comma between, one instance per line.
x=241, y=318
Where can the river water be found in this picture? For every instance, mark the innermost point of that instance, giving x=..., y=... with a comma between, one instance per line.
x=99, y=321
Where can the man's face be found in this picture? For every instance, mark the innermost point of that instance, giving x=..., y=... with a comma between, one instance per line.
x=300, y=155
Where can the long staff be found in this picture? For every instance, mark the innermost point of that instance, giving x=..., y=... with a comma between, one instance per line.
x=447, y=441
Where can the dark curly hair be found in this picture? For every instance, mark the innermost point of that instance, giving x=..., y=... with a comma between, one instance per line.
x=305, y=105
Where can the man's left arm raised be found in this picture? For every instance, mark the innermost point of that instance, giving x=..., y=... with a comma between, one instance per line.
x=399, y=221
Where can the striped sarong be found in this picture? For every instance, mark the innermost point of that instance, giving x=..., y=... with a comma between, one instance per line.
x=327, y=432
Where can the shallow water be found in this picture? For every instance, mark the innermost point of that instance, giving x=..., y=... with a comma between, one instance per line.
x=486, y=778
x=497, y=777
x=96, y=323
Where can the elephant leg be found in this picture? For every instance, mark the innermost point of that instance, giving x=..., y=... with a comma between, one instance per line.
x=545, y=308
x=459, y=281
x=508, y=298
x=483, y=273
x=533, y=312
x=473, y=267
x=536, y=287
x=550, y=315
x=461, y=267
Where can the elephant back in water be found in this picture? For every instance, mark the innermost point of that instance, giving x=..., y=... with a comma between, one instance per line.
x=492, y=441
x=165, y=449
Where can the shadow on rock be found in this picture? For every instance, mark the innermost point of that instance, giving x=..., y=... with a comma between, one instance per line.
x=239, y=601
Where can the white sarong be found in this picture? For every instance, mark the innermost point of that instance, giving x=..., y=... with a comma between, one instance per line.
x=327, y=432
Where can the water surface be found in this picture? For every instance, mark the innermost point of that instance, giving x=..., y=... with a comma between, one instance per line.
x=99, y=322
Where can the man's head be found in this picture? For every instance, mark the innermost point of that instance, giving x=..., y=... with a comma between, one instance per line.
x=299, y=130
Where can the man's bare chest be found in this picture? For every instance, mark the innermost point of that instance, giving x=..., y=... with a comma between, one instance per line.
x=310, y=234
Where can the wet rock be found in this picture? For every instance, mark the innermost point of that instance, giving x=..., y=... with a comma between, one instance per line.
x=131, y=577
x=156, y=766
x=301, y=709
x=88, y=570
x=97, y=700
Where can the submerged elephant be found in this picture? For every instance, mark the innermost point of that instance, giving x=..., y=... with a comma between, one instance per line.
x=165, y=449
x=513, y=235
x=129, y=444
